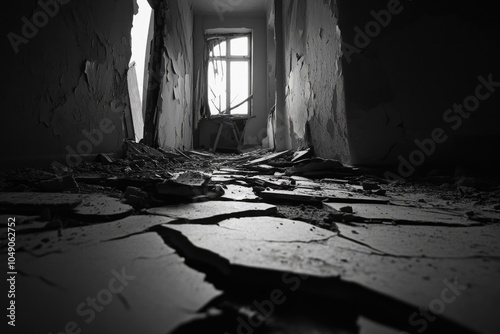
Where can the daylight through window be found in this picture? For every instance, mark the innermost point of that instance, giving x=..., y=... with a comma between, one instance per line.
x=229, y=74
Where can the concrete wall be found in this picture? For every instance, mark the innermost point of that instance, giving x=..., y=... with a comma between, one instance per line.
x=256, y=127
x=176, y=117
x=66, y=77
x=402, y=80
x=315, y=102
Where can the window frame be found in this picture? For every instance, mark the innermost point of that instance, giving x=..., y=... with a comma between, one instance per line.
x=228, y=59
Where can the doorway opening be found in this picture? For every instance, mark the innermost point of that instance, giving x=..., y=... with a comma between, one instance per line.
x=137, y=67
x=140, y=32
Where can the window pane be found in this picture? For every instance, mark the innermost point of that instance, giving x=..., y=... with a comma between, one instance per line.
x=241, y=110
x=217, y=86
x=239, y=46
x=219, y=50
x=240, y=86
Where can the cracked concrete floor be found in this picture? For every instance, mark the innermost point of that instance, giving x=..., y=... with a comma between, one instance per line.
x=333, y=259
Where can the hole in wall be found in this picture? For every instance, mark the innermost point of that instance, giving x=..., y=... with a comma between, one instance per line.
x=140, y=31
x=136, y=73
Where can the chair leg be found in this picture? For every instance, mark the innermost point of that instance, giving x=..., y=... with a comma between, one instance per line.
x=236, y=134
x=218, y=136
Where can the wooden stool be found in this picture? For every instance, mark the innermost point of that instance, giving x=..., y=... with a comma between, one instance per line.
x=232, y=125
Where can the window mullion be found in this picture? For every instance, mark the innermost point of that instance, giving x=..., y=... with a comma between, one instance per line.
x=228, y=77
x=228, y=59
x=250, y=76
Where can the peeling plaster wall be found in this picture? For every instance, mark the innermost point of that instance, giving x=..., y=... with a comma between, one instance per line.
x=175, y=121
x=271, y=74
x=314, y=84
x=427, y=59
x=146, y=65
x=64, y=81
x=271, y=56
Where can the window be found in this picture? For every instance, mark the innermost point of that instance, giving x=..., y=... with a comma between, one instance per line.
x=229, y=74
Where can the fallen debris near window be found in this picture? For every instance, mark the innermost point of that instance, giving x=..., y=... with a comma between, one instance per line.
x=267, y=158
x=317, y=168
x=134, y=151
x=105, y=159
x=302, y=155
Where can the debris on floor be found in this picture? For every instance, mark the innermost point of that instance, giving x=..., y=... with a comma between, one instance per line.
x=280, y=241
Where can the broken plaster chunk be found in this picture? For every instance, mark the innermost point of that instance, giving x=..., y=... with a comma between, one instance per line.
x=267, y=158
x=105, y=159
x=300, y=155
x=136, y=201
x=193, y=178
x=370, y=185
x=239, y=193
x=314, y=164
x=346, y=209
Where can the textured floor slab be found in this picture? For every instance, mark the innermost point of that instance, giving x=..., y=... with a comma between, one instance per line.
x=279, y=244
x=208, y=212
x=138, y=285
x=429, y=241
x=32, y=200
x=56, y=241
x=403, y=214
x=265, y=242
x=102, y=207
x=239, y=193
